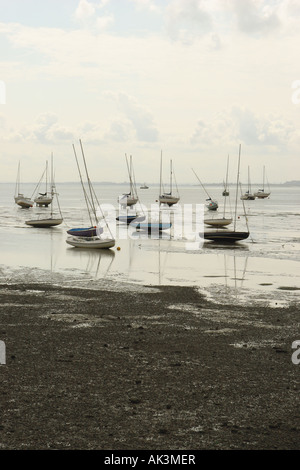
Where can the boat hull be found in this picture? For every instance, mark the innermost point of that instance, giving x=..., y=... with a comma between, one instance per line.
x=85, y=232
x=44, y=223
x=131, y=202
x=24, y=202
x=212, y=206
x=218, y=222
x=152, y=226
x=169, y=200
x=43, y=201
x=128, y=219
x=90, y=242
x=127, y=200
x=262, y=195
x=224, y=236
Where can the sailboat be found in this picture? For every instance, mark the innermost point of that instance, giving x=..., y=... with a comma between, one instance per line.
x=91, y=242
x=211, y=204
x=220, y=221
x=131, y=198
x=248, y=196
x=154, y=226
x=20, y=199
x=97, y=241
x=226, y=191
x=224, y=235
x=168, y=198
x=49, y=221
x=158, y=226
x=144, y=186
x=127, y=217
x=44, y=199
x=92, y=230
x=261, y=194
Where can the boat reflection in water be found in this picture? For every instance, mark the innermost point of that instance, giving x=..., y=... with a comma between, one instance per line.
x=97, y=263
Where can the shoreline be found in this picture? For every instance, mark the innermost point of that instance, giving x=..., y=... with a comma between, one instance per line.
x=160, y=367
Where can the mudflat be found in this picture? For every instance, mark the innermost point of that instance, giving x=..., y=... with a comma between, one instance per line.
x=152, y=368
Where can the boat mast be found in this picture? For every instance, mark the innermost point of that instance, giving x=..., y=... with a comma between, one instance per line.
x=129, y=169
x=201, y=184
x=52, y=188
x=46, y=177
x=129, y=172
x=269, y=190
x=135, y=188
x=170, y=177
x=227, y=172
x=83, y=188
x=226, y=187
x=91, y=192
x=249, y=181
x=244, y=210
x=132, y=190
x=89, y=182
x=237, y=187
x=17, y=189
x=160, y=172
x=176, y=184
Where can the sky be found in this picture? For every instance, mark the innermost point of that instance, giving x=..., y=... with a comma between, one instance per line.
x=188, y=80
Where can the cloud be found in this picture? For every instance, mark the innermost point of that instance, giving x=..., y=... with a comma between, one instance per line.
x=84, y=10
x=246, y=125
x=86, y=14
x=45, y=129
x=103, y=22
x=293, y=7
x=140, y=119
x=255, y=16
x=272, y=132
x=120, y=131
x=215, y=42
x=187, y=20
x=136, y=124
x=219, y=131
x=147, y=5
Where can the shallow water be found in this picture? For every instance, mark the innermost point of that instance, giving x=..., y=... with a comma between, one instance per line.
x=263, y=268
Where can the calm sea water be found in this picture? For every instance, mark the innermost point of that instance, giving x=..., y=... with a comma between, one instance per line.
x=264, y=267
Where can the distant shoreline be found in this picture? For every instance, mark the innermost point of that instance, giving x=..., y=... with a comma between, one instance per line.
x=125, y=183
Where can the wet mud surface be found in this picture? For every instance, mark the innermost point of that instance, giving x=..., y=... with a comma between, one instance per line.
x=159, y=368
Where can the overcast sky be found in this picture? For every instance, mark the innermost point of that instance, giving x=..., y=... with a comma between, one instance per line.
x=191, y=78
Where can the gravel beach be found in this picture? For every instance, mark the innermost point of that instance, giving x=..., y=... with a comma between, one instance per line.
x=145, y=368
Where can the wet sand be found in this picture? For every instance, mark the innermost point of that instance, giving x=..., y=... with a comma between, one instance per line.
x=152, y=368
